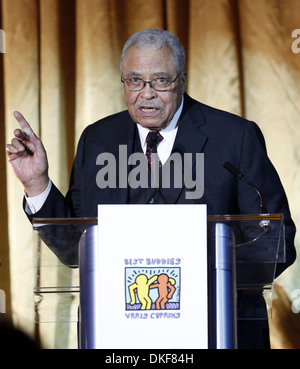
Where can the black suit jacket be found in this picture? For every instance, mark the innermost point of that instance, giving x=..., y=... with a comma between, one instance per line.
x=221, y=136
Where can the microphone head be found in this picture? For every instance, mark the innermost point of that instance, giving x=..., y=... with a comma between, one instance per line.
x=233, y=170
x=237, y=173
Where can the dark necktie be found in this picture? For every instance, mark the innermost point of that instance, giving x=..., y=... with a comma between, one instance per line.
x=153, y=139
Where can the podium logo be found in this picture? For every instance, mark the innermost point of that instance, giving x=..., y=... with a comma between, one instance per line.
x=153, y=293
x=2, y=302
x=2, y=41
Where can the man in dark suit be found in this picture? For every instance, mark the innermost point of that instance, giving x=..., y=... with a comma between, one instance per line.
x=152, y=67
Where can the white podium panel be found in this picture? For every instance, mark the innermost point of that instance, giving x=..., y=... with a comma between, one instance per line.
x=143, y=275
x=150, y=277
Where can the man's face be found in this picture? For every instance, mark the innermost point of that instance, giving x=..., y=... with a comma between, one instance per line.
x=150, y=108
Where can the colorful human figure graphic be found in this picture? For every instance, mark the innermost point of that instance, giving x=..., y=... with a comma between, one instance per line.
x=166, y=290
x=141, y=287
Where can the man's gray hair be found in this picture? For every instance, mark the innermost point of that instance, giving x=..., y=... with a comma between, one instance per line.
x=156, y=39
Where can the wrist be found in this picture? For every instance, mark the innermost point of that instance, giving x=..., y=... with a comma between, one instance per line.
x=35, y=187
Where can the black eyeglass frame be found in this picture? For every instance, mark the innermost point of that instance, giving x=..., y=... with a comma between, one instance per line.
x=123, y=80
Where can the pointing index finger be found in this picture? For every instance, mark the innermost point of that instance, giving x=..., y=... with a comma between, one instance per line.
x=23, y=123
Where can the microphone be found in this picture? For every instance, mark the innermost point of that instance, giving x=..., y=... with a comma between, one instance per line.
x=237, y=173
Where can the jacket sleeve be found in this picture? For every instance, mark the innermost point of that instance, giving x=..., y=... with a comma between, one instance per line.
x=57, y=205
x=258, y=169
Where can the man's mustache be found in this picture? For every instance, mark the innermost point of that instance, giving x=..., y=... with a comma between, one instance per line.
x=147, y=104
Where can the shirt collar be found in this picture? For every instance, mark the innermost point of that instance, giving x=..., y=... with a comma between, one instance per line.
x=143, y=132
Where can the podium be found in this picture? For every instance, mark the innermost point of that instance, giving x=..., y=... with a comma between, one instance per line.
x=242, y=254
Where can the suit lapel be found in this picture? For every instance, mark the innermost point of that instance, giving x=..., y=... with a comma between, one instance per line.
x=189, y=138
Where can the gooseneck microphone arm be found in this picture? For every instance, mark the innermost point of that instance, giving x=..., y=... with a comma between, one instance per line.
x=237, y=173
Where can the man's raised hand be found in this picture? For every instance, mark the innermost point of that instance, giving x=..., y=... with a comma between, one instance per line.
x=28, y=158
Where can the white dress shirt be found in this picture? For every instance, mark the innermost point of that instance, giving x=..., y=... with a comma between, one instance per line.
x=164, y=149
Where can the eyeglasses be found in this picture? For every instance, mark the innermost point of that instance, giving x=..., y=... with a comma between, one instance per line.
x=158, y=84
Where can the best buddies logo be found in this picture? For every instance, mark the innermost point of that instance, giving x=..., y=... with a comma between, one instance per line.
x=152, y=288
